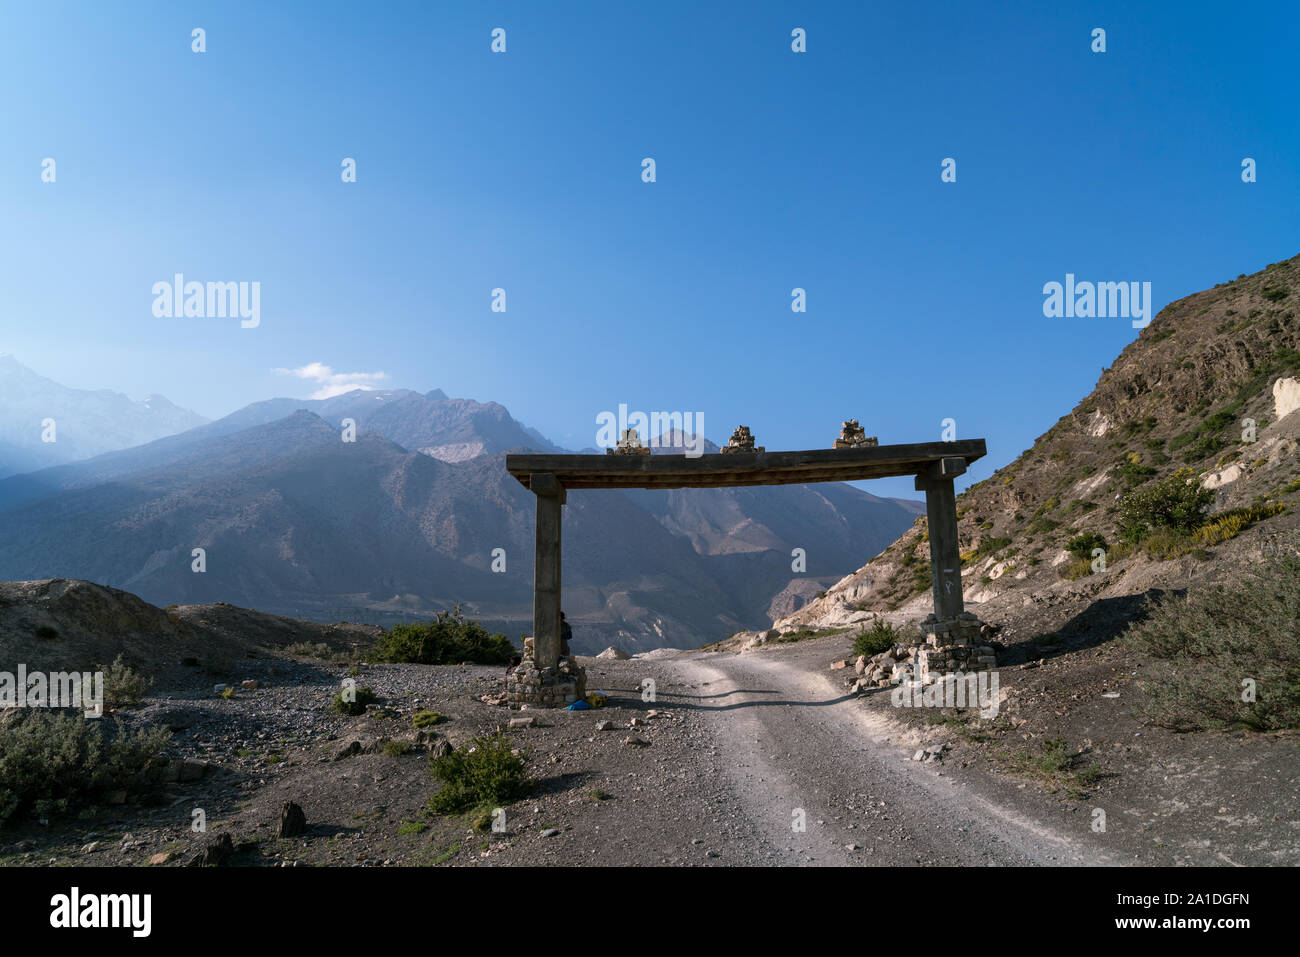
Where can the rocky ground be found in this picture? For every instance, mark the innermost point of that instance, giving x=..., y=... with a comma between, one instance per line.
x=650, y=789
x=734, y=751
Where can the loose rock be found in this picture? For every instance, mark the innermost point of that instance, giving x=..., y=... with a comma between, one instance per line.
x=292, y=820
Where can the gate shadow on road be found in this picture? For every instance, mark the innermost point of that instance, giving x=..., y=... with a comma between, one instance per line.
x=687, y=702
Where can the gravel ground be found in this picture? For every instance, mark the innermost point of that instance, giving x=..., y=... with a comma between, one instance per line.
x=733, y=752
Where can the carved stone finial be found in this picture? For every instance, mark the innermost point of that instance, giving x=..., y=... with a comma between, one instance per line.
x=742, y=441
x=629, y=444
x=853, y=436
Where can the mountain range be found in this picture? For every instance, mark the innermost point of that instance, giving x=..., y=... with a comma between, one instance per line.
x=406, y=520
x=43, y=423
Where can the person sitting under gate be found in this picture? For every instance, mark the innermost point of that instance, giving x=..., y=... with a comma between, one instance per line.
x=566, y=635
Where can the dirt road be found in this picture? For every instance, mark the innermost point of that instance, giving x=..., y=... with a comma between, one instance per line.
x=796, y=741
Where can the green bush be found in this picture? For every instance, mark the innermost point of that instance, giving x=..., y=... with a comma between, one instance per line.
x=987, y=547
x=1042, y=524
x=1203, y=447
x=1081, y=546
x=51, y=760
x=363, y=697
x=1057, y=765
x=1176, y=502
x=1229, y=524
x=425, y=719
x=1079, y=568
x=123, y=687
x=1166, y=544
x=484, y=774
x=1135, y=473
x=921, y=578
x=1207, y=642
x=447, y=640
x=881, y=636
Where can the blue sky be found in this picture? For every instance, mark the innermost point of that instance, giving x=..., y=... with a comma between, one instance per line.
x=522, y=170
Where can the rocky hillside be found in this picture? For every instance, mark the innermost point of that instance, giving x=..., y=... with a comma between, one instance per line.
x=1180, y=397
x=64, y=624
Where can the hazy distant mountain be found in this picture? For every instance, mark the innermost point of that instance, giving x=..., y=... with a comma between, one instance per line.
x=295, y=520
x=449, y=429
x=85, y=423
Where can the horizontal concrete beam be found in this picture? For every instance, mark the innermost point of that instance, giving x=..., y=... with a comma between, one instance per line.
x=745, y=468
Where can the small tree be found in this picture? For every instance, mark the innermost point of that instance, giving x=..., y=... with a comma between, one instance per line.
x=1176, y=502
x=881, y=636
x=485, y=773
x=124, y=687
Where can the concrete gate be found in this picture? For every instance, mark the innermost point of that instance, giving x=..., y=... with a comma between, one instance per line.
x=543, y=679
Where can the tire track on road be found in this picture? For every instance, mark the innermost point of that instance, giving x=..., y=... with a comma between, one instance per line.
x=796, y=741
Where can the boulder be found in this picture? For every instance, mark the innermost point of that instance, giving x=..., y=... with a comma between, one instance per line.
x=1286, y=396
x=348, y=750
x=217, y=852
x=618, y=654
x=292, y=820
x=1224, y=476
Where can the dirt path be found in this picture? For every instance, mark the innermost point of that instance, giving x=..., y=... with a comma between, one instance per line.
x=797, y=741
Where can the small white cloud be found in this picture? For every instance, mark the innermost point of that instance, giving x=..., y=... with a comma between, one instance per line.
x=330, y=383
